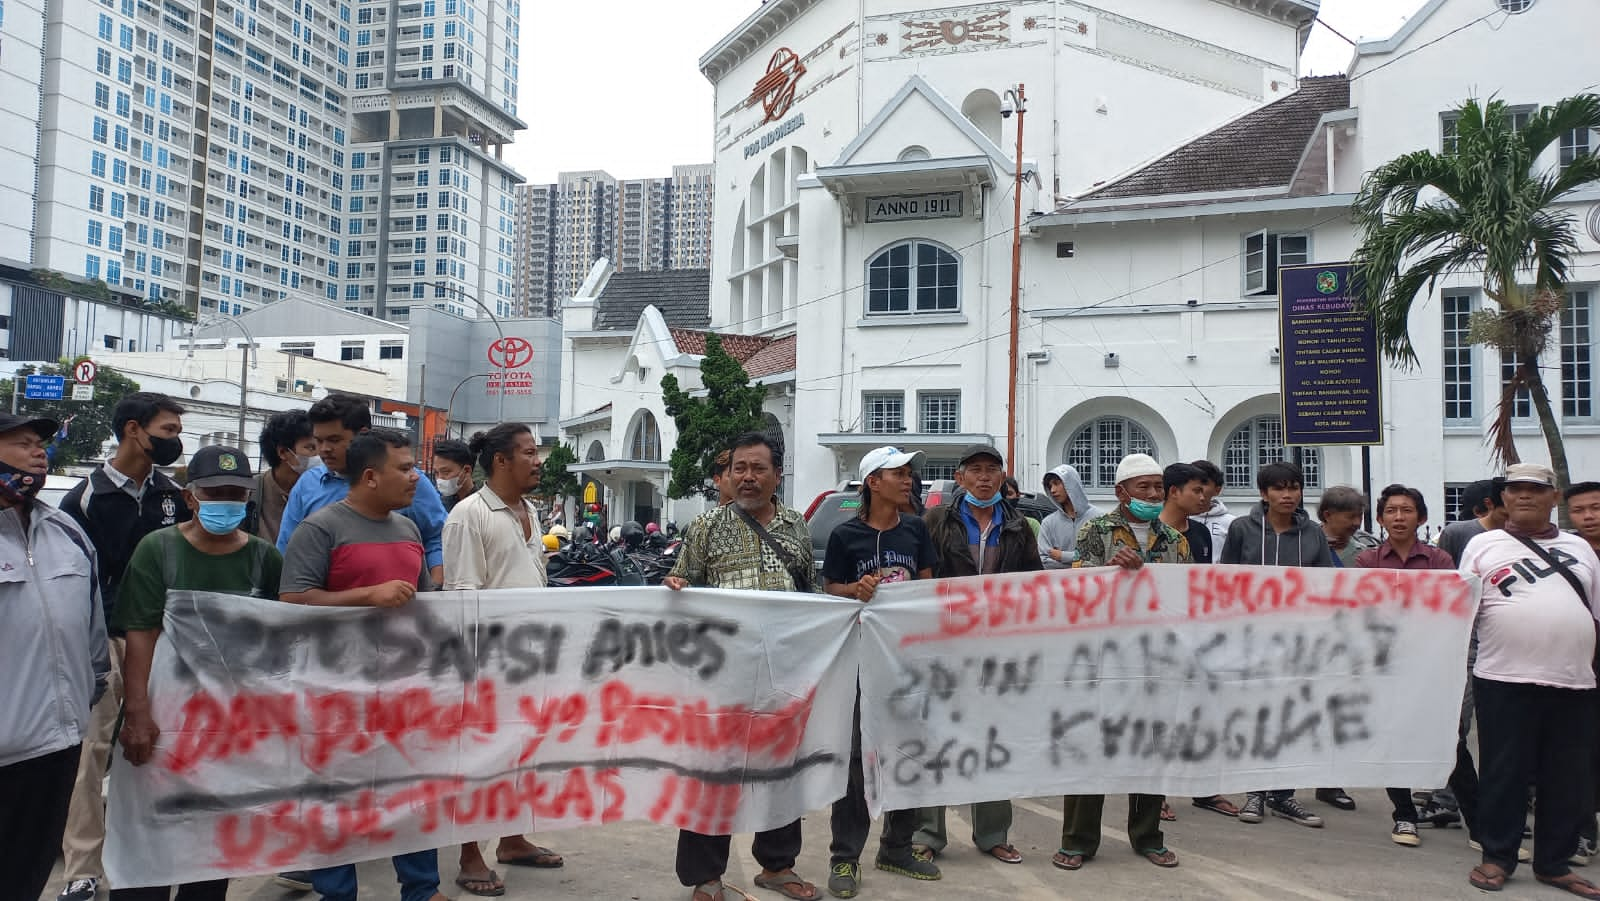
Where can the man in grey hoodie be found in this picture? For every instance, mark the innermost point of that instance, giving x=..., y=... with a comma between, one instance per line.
x=1058, y=534
x=1277, y=533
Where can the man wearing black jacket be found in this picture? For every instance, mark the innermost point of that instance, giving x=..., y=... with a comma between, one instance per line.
x=119, y=504
x=976, y=533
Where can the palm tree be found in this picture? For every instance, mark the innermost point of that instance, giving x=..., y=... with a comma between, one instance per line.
x=1482, y=206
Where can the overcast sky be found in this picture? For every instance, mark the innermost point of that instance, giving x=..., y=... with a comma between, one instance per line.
x=628, y=98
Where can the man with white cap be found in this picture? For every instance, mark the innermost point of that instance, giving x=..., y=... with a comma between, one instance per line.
x=879, y=545
x=1129, y=536
x=1533, y=683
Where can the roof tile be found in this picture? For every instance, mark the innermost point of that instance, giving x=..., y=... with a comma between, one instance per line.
x=682, y=295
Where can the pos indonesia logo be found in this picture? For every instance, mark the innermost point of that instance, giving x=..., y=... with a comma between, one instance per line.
x=775, y=90
x=511, y=353
x=1327, y=282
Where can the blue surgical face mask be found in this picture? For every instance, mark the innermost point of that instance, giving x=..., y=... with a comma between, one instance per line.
x=1144, y=511
x=221, y=517
x=975, y=501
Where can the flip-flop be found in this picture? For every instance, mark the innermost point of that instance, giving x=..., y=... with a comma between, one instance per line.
x=539, y=858
x=1487, y=877
x=724, y=892
x=1161, y=857
x=780, y=882
x=1168, y=815
x=1573, y=883
x=1068, y=860
x=1005, y=854
x=466, y=883
x=1217, y=804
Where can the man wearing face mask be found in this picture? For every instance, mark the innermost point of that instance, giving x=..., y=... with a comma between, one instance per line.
x=1130, y=536
x=975, y=533
x=452, y=471
x=119, y=504
x=209, y=552
x=52, y=656
x=289, y=450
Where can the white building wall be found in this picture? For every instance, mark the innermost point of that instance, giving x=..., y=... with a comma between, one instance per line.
x=22, y=34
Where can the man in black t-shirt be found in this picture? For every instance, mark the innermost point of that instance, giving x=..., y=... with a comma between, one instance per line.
x=880, y=545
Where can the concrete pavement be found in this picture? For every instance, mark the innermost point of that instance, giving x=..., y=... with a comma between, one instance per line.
x=1352, y=857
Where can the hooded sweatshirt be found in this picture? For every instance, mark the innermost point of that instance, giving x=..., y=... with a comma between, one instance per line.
x=1216, y=520
x=1060, y=530
x=1252, y=540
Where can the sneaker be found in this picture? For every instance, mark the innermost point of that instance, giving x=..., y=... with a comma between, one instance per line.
x=1405, y=833
x=1523, y=854
x=1290, y=809
x=1252, y=811
x=908, y=864
x=80, y=890
x=294, y=880
x=845, y=880
x=1585, y=853
x=1438, y=815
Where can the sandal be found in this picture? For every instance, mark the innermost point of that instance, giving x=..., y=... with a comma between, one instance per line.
x=1487, y=877
x=539, y=858
x=780, y=882
x=1217, y=804
x=1069, y=860
x=1168, y=815
x=1573, y=883
x=719, y=894
x=495, y=887
x=1005, y=854
x=1161, y=857
x=924, y=852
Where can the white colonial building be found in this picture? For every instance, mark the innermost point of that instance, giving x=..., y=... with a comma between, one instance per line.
x=1172, y=158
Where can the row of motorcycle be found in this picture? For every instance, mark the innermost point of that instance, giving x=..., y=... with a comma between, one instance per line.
x=631, y=557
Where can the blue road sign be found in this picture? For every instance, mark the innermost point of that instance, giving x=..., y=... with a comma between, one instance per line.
x=45, y=387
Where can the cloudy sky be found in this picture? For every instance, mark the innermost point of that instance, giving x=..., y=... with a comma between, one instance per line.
x=621, y=91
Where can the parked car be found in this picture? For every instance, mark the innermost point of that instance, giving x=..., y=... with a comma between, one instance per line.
x=56, y=488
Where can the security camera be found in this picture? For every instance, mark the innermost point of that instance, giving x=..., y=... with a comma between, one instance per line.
x=1006, y=109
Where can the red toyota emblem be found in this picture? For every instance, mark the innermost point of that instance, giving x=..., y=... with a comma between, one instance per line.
x=775, y=90
x=510, y=353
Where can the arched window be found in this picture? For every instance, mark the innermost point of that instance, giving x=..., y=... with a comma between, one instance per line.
x=646, y=443
x=1097, y=448
x=914, y=277
x=1257, y=443
x=597, y=452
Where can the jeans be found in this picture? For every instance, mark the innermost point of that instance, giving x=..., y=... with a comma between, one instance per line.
x=1080, y=823
x=703, y=858
x=1405, y=809
x=1541, y=732
x=418, y=873
x=991, y=824
x=851, y=821
x=34, y=795
x=210, y=890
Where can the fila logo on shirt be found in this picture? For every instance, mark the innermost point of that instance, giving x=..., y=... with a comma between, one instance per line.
x=1529, y=571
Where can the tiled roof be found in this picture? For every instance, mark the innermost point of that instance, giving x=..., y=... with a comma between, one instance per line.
x=682, y=295
x=1257, y=150
x=759, y=356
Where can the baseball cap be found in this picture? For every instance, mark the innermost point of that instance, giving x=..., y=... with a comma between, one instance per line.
x=1530, y=474
x=982, y=450
x=1135, y=465
x=887, y=458
x=217, y=466
x=45, y=426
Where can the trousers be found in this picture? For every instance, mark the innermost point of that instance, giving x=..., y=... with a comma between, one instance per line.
x=703, y=858
x=1080, y=823
x=85, y=835
x=851, y=821
x=417, y=873
x=991, y=824
x=34, y=794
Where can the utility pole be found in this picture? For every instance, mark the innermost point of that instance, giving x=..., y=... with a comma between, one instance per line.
x=1018, y=101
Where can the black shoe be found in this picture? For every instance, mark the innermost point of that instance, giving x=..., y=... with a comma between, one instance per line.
x=80, y=890
x=1440, y=817
x=1336, y=797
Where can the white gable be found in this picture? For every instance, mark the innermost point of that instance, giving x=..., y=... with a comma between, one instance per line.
x=919, y=115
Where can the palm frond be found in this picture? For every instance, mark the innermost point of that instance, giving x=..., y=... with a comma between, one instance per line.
x=1547, y=125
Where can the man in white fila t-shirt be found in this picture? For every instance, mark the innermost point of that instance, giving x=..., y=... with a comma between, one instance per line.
x=1534, y=683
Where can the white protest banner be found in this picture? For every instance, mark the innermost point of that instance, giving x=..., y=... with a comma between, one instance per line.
x=1181, y=680
x=296, y=737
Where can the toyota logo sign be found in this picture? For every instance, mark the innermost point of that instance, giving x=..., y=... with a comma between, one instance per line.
x=510, y=353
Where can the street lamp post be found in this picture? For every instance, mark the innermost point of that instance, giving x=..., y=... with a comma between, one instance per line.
x=1016, y=100
x=449, y=409
x=500, y=409
x=247, y=362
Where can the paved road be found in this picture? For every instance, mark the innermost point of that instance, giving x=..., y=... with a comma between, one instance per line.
x=1351, y=857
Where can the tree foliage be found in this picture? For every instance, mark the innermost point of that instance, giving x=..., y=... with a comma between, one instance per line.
x=554, y=478
x=707, y=425
x=1483, y=207
x=91, y=420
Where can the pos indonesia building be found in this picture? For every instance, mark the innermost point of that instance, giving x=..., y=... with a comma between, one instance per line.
x=1173, y=158
x=226, y=154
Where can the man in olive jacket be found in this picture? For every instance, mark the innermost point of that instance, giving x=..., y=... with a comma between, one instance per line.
x=977, y=533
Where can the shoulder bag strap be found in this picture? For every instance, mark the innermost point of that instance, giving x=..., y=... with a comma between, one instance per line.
x=800, y=574
x=1569, y=575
